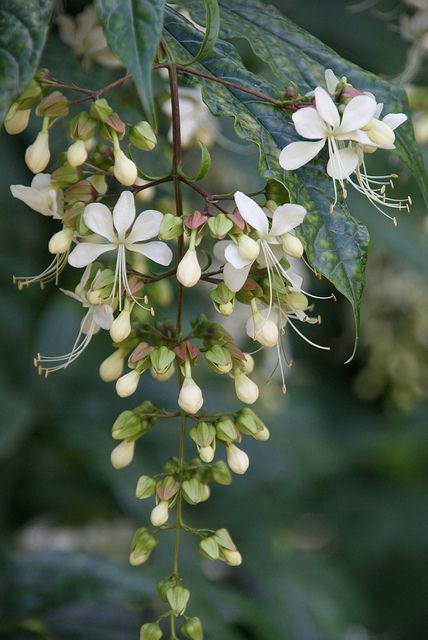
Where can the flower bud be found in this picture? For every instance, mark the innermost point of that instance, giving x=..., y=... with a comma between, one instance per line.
x=226, y=309
x=142, y=136
x=206, y=454
x=232, y=558
x=192, y=629
x=237, y=459
x=248, y=363
x=37, y=155
x=221, y=474
x=167, y=488
x=121, y=326
x=190, y=398
x=219, y=226
x=146, y=486
x=99, y=183
x=248, y=248
x=125, y=170
x=219, y=359
x=263, y=330
x=30, y=97
x=143, y=543
x=134, y=424
x=292, y=246
x=151, y=631
x=123, y=454
x=178, y=598
x=16, y=120
x=161, y=359
x=61, y=241
x=171, y=227
x=223, y=299
x=209, y=548
x=193, y=491
x=296, y=301
x=165, y=375
x=226, y=430
x=127, y=384
x=112, y=367
x=54, y=105
x=246, y=390
x=159, y=514
x=188, y=270
x=380, y=132
x=76, y=153
x=262, y=434
x=203, y=434
x=101, y=110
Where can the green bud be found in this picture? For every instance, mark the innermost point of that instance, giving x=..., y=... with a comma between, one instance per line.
x=167, y=488
x=224, y=540
x=130, y=425
x=220, y=225
x=219, y=359
x=221, y=474
x=161, y=359
x=226, y=430
x=193, y=491
x=209, y=548
x=53, y=106
x=164, y=585
x=65, y=175
x=192, y=629
x=203, y=434
x=82, y=127
x=142, y=545
x=142, y=136
x=99, y=183
x=146, y=486
x=178, y=598
x=249, y=423
x=82, y=191
x=101, y=110
x=223, y=299
x=171, y=227
x=151, y=631
x=30, y=97
x=171, y=466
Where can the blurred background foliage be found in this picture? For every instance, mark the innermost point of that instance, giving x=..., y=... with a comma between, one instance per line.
x=332, y=516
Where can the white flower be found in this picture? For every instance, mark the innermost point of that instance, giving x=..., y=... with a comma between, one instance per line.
x=121, y=326
x=189, y=270
x=196, y=121
x=124, y=169
x=123, y=454
x=232, y=558
x=246, y=390
x=190, y=398
x=61, y=241
x=40, y=195
x=112, y=367
x=159, y=514
x=77, y=153
x=123, y=233
x=262, y=329
x=37, y=155
x=237, y=459
x=98, y=316
x=85, y=35
x=127, y=385
x=269, y=251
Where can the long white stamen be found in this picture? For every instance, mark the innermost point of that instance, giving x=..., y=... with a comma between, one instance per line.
x=50, y=274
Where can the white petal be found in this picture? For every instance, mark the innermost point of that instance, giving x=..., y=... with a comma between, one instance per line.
x=379, y=107
x=252, y=213
x=157, y=251
x=296, y=154
x=41, y=181
x=97, y=218
x=103, y=315
x=146, y=226
x=220, y=248
x=235, y=278
x=296, y=280
x=124, y=213
x=326, y=107
x=394, y=120
x=358, y=112
x=308, y=124
x=331, y=80
x=287, y=217
x=33, y=198
x=86, y=252
x=233, y=256
x=342, y=163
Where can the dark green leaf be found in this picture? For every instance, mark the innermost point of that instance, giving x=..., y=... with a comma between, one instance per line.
x=23, y=28
x=133, y=29
x=336, y=244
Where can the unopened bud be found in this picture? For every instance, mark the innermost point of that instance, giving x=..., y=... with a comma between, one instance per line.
x=77, y=153
x=248, y=248
x=221, y=474
x=296, y=301
x=292, y=246
x=101, y=110
x=209, y=548
x=192, y=629
x=146, y=486
x=380, y=132
x=219, y=359
x=246, y=390
x=112, y=367
x=190, y=398
x=237, y=459
x=159, y=514
x=161, y=359
x=226, y=309
x=219, y=226
x=171, y=227
x=165, y=375
x=226, y=430
x=151, y=631
x=167, y=488
x=178, y=598
x=143, y=543
x=123, y=454
x=37, y=155
x=61, y=241
x=193, y=491
x=206, y=454
x=142, y=136
x=188, y=270
x=232, y=558
x=127, y=384
x=121, y=326
x=263, y=330
x=125, y=170
x=54, y=105
x=16, y=120
x=248, y=363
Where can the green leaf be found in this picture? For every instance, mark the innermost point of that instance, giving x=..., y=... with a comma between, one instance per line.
x=336, y=244
x=212, y=28
x=133, y=29
x=23, y=28
x=204, y=166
